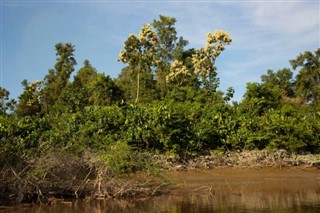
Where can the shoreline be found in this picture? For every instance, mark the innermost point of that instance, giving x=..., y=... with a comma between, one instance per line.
x=264, y=188
x=244, y=159
x=92, y=185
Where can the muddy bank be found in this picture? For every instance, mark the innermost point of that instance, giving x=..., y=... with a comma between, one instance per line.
x=228, y=189
x=54, y=178
x=243, y=159
x=265, y=189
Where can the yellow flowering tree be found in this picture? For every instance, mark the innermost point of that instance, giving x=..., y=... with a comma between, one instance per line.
x=178, y=73
x=170, y=47
x=204, y=59
x=139, y=54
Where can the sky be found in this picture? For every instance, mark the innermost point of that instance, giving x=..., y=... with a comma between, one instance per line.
x=266, y=34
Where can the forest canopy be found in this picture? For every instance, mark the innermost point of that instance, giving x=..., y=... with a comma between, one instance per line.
x=165, y=100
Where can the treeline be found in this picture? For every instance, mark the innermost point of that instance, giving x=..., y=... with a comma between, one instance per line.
x=166, y=101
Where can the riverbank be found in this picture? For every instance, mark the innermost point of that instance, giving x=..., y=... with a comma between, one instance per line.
x=61, y=178
x=255, y=159
x=223, y=189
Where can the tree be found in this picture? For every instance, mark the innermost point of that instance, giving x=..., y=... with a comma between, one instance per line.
x=105, y=91
x=89, y=88
x=32, y=99
x=178, y=73
x=275, y=86
x=76, y=95
x=204, y=60
x=281, y=80
x=85, y=75
x=5, y=102
x=182, y=72
x=139, y=53
x=125, y=82
x=57, y=79
x=169, y=47
x=259, y=98
x=308, y=78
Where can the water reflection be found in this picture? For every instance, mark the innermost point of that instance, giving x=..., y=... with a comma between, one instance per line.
x=227, y=190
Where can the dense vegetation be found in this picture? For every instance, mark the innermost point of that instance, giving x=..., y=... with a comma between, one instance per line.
x=166, y=100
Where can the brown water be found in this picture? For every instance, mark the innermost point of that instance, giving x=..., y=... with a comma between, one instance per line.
x=216, y=190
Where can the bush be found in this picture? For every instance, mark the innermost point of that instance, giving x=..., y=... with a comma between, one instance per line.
x=290, y=127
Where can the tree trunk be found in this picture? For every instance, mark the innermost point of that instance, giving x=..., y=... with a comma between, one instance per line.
x=138, y=87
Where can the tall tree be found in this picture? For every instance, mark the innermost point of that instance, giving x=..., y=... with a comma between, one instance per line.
x=204, y=60
x=169, y=47
x=308, y=78
x=139, y=54
x=57, y=79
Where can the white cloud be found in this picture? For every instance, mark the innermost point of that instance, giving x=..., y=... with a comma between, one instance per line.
x=285, y=17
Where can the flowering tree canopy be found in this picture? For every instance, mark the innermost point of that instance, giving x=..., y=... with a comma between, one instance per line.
x=204, y=59
x=178, y=73
x=139, y=53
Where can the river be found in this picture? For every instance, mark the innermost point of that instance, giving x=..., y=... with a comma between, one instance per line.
x=236, y=190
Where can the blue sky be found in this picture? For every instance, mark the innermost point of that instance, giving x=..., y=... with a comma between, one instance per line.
x=266, y=34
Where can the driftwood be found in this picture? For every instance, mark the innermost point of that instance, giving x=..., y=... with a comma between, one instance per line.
x=50, y=179
x=53, y=177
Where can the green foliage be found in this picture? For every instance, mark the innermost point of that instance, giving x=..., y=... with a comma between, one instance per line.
x=57, y=79
x=78, y=93
x=31, y=100
x=177, y=110
x=260, y=98
x=89, y=88
x=120, y=158
x=289, y=127
x=22, y=136
x=178, y=128
x=93, y=127
x=8, y=137
x=169, y=46
x=308, y=78
x=104, y=91
x=6, y=104
x=282, y=81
